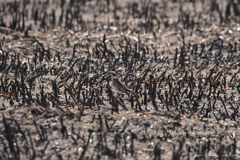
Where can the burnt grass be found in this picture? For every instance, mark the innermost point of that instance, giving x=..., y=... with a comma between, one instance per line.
x=181, y=59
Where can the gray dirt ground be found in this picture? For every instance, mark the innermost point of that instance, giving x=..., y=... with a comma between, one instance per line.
x=180, y=57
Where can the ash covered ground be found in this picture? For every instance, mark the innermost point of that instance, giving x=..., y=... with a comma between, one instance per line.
x=180, y=58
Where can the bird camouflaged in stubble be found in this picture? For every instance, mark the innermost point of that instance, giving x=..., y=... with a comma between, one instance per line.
x=117, y=85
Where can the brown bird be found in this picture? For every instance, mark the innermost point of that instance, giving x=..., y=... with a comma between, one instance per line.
x=117, y=85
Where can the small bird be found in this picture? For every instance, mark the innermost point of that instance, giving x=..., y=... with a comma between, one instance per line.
x=117, y=85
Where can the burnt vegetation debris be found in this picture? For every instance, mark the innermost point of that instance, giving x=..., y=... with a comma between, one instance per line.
x=180, y=58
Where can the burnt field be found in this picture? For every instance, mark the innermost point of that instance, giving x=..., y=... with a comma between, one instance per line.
x=180, y=58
